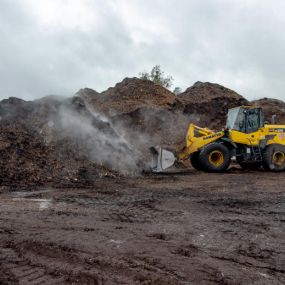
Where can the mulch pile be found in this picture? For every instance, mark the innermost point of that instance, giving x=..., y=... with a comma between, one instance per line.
x=272, y=107
x=37, y=149
x=209, y=103
x=204, y=92
x=131, y=94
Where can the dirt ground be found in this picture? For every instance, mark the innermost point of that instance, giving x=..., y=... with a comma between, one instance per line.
x=189, y=228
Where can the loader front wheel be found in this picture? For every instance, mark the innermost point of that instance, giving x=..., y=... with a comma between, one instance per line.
x=215, y=158
x=194, y=159
x=274, y=158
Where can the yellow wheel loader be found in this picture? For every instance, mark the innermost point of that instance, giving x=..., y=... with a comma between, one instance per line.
x=246, y=139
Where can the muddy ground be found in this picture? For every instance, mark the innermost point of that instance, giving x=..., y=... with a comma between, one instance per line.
x=189, y=228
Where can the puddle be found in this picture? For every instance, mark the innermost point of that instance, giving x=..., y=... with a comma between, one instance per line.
x=43, y=203
x=30, y=193
x=116, y=241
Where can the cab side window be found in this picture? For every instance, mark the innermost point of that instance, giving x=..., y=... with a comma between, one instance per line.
x=239, y=124
x=252, y=122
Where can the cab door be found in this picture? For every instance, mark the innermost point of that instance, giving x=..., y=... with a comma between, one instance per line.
x=250, y=127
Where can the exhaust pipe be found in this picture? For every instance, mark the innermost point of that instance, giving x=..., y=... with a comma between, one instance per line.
x=273, y=119
x=161, y=159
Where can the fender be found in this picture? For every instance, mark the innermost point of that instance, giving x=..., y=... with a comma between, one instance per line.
x=229, y=142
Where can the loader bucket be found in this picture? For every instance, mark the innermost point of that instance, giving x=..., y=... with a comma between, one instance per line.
x=161, y=159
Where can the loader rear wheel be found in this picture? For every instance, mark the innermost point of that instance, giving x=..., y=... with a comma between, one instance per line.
x=194, y=159
x=274, y=158
x=215, y=158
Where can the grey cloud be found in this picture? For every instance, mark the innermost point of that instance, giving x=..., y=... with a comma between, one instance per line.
x=236, y=43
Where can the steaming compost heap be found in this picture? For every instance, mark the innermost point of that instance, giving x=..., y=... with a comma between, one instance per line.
x=71, y=142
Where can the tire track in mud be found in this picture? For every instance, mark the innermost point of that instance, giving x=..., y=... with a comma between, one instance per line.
x=16, y=267
x=35, y=263
x=130, y=208
x=139, y=207
x=158, y=234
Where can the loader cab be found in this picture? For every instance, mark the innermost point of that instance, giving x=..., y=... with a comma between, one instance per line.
x=245, y=119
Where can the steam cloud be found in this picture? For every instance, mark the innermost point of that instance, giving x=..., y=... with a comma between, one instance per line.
x=114, y=142
x=98, y=140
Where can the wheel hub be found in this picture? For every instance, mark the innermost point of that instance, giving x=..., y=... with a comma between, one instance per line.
x=278, y=158
x=216, y=158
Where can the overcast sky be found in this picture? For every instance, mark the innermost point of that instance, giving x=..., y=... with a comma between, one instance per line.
x=60, y=46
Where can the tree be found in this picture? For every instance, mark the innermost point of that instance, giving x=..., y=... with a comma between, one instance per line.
x=177, y=91
x=157, y=76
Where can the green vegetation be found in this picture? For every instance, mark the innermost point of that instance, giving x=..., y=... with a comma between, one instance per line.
x=156, y=75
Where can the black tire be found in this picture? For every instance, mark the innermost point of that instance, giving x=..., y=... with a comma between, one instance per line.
x=274, y=158
x=194, y=159
x=250, y=166
x=215, y=157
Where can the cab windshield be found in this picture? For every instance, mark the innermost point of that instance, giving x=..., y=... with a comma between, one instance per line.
x=246, y=120
x=236, y=119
